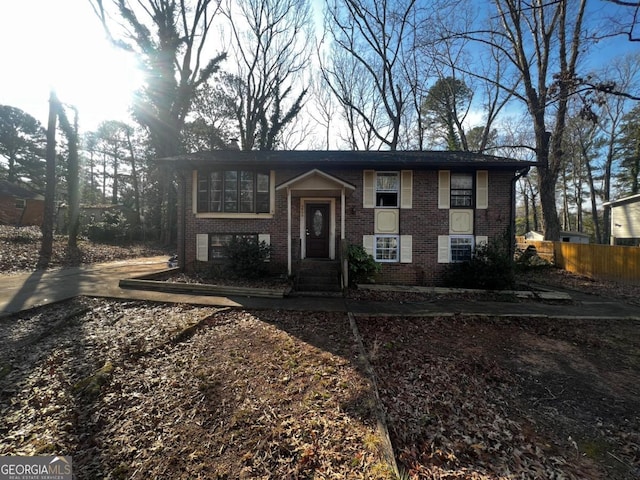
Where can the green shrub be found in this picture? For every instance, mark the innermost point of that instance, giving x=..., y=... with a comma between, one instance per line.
x=112, y=227
x=246, y=258
x=362, y=266
x=490, y=267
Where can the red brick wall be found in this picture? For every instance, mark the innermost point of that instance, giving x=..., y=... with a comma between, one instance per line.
x=424, y=222
x=9, y=214
x=31, y=214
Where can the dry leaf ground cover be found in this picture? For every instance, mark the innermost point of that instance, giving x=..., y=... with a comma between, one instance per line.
x=140, y=390
x=143, y=390
x=20, y=246
x=529, y=398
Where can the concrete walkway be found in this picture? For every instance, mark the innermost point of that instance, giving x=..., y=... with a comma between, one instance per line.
x=23, y=291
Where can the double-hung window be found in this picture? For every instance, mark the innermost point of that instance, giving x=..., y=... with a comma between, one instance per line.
x=233, y=191
x=219, y=241
x=387, y=189
x=461, y=190
x=460, y=248
x=386, y=248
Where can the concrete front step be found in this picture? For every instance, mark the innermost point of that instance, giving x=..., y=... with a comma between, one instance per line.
x=318, y=275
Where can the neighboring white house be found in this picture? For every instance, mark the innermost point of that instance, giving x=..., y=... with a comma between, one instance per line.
x=569, y=237
x=625, y=221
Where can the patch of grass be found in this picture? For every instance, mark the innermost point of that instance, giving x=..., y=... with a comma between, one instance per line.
x=91, y=386
x=43, y=448
x=595, y=449
x=5, y=369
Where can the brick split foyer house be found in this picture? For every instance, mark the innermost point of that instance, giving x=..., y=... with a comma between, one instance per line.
x=414, y=212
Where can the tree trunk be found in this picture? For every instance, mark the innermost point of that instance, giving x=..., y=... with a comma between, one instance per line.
x=73, y=176
x=134, y=178
x=46, y=248
x=104, y=178
x=592, y=195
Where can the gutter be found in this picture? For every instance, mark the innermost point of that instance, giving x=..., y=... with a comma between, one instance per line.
x=512, y=207
x=182, y=258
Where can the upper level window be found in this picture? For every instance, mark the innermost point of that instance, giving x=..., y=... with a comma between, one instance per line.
x=233, y=191
x=461, y=190
x=387, y=189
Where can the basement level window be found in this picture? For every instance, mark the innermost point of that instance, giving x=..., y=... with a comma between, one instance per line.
x=461, y=248
x=219, y=241
x=386, y=248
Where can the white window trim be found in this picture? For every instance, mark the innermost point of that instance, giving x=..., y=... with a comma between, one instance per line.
x=194, y=202
x=444, y=245
x=398, y=249
x=465, y=237
x=398, y=191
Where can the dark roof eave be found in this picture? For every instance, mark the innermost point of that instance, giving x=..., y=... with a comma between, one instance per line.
x=362, y=159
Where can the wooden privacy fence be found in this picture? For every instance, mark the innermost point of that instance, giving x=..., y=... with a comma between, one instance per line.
x=602, y=262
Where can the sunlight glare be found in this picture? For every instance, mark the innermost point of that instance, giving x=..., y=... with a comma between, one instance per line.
x=65, y=49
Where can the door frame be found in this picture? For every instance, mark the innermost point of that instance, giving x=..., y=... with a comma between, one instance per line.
x=331, y=202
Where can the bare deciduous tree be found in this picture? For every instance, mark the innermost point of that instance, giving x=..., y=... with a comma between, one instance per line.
x=543, y=41
x=376, y=35
x=271, y=47
x=168, y=37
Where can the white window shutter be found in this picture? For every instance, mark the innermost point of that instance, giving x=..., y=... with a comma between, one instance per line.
x=368, y=189
x=406, y=189
x=406, y=247
x=368, y=244
x=444, y=189
x=482, y=189
x=266, y=238
x=194, y=191
x=202, y=247
x=481, y=240
x=443, y=248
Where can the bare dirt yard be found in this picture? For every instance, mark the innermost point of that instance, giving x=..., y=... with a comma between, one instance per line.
x=478, y=398
x=147, y=390
x=142, y=390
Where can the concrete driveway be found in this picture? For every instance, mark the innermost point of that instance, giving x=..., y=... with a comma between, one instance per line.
x=28, y=290
x=24, y=291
